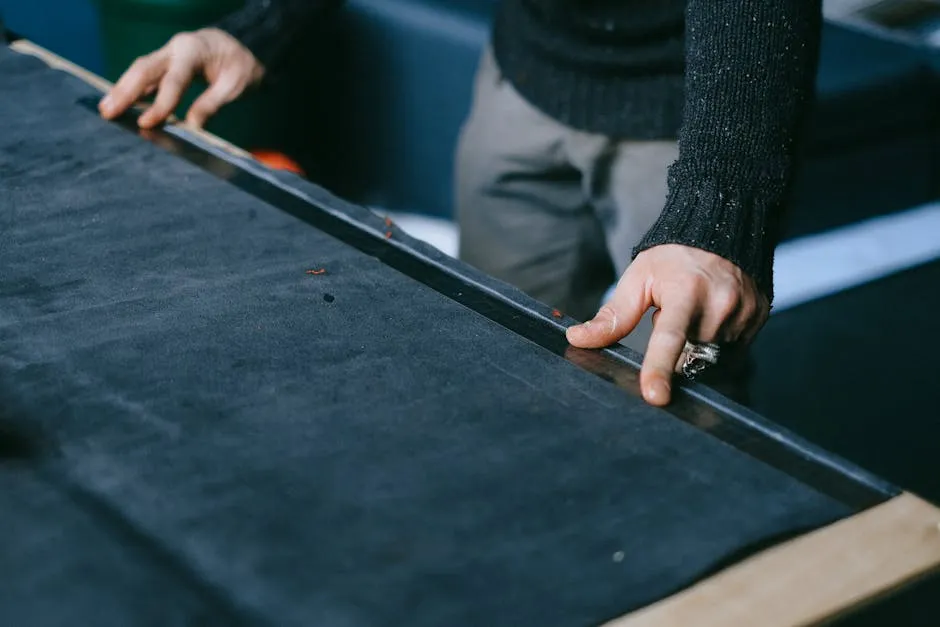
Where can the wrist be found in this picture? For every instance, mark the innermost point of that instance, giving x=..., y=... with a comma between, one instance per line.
x=738, y=228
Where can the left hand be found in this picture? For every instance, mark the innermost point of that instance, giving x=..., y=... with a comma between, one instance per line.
x=699, y=296
x=228, y=66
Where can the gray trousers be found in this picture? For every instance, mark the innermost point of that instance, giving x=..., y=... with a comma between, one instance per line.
x=554, y=211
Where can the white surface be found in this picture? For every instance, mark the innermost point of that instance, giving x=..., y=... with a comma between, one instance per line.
x=805, y=269
x=438, y=232
x=819, y=265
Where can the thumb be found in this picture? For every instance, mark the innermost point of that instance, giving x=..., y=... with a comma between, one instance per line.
x=616, y=319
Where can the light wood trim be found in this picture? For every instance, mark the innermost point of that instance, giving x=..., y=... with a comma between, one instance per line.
x=812, y=578
x=55, y=61
x=52, y=60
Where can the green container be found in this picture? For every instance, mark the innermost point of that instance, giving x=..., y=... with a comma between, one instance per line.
x=133, y=28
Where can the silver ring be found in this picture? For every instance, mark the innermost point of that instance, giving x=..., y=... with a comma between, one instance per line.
x=698, y=357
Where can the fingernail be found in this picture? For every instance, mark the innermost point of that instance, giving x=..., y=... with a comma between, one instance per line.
x=658, y=393
x=572, y=331
x=106, y=104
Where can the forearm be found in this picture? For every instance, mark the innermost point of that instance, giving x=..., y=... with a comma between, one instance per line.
x=750, y=71
x=268, y=27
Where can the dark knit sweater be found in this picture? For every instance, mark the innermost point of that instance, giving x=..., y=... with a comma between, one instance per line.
x=730, y=80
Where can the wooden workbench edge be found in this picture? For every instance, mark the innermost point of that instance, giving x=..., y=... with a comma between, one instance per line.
x=51, y=59
x=813, y=578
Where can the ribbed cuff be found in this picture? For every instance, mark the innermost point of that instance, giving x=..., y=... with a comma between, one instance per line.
x=702, y=215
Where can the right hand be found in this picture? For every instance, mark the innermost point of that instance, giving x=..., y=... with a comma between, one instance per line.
x=226, y=64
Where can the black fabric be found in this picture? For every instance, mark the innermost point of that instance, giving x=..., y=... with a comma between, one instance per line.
x=62, y=565
x=342, y=448
x=268, y=28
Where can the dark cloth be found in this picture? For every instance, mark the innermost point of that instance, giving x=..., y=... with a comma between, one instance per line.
x=349, y=448
x=268, y=28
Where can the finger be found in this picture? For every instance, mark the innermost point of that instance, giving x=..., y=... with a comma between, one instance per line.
x=169, y=94
x=143, y=74
x=680, y=362
x=665, y=347
x=682, y=356
x=719, y=316
x=616, y=319
x=221, y=92
x=753, y=325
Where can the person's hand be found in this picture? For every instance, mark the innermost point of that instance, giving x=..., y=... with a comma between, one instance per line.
x=228, y=66
x=699, y=296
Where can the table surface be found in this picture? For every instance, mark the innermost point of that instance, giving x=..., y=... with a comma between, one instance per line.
x=214, y=412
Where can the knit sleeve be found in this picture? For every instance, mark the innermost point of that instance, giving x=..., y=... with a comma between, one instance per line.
x=269, y=27
x=750, y=75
